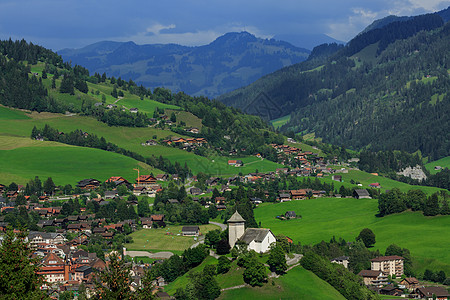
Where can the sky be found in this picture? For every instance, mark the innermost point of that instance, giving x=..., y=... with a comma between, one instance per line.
x=58, y=24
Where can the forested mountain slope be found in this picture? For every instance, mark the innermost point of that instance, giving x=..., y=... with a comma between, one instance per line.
x=231, y=61
x=387, y=89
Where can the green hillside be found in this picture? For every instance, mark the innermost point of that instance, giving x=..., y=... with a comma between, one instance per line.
x=443, y=162
x=323, y=218
x=296, y=284
x=22, y=158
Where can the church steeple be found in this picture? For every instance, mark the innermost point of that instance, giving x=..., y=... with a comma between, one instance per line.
x=236, y=228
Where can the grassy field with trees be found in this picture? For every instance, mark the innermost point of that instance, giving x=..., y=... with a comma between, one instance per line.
x=323, y=218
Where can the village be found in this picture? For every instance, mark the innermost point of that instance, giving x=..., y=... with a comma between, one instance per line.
x=61, y=240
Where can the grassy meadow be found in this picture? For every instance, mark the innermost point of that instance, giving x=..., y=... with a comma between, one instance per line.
x=277, y=123
x=366, y=178
x=322, y=218
x=443, y=162
x=164, y=239
x=296, y=284
x=21, y=159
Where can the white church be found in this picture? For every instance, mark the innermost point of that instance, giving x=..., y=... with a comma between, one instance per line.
x=258, y=239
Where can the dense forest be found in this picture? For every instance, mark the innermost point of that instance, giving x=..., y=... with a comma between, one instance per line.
x=386, y=90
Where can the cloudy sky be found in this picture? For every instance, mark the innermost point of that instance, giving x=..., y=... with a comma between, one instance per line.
x=58, y=24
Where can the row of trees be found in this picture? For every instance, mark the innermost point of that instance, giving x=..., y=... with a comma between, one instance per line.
x=395, y=201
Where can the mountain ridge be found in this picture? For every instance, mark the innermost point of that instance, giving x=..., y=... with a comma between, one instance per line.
x=232, y=60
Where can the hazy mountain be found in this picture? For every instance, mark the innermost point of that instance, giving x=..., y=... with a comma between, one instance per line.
x=231, y=61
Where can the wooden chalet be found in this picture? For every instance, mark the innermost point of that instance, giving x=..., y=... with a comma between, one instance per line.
x=145, y=180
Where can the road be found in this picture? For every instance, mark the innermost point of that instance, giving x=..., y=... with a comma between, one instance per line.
x=222, y=226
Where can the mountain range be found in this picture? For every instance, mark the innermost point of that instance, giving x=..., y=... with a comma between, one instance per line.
x=231, y=61
x=386, y=89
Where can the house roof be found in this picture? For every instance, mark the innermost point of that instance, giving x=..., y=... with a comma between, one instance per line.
x=429, y=291
x=255, y=234
x=190, y=228
x=340, y=258
x=236, y=218
x=411, y=280
x=362, y=192
x=386, y=258
x=370, y=273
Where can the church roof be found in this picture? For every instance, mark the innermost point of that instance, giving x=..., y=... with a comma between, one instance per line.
x=235, y=218
x=255, y=234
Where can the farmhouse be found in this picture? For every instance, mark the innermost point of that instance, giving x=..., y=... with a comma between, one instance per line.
x=257, y=239
x=375, y=185
x=285, y=197
x=290, y=215
x=336, y=178
x=391, y=265
x=361, y=194
x=428, y=292
x=410, y=283
x=88, y=184
x=150, y=143
x=145, y=180
x=236, y=163
x=117, y=180
x=162, y=177
x=190, y=230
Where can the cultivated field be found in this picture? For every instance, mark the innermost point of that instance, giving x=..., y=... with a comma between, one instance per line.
x=322, y=218
x=443, y=162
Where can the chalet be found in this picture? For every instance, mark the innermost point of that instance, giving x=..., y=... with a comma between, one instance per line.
x=117, y=180
x=212, y=181
x=110, y=106
x=299, y=194
x=162, y=177
x=256, y=200
x=410, y=283
x=235, y=163
x=134, y=110
x=390, y=290
x=290, y=215
x=190, y=230
x=337, y=178
x=375, y=185
x=193, y=130
x=74, y=227
x=73, y=218
x=373, y=277
x=341, y=260
x=146, y=222
x=432, y=292
x=139, y=190
x=35, y=238
x=361, y=194
x=53, y=269
x=391, y=265
x=111, y=194
x=145, y=180
x=285, y=197
x=88, y=184
x=99, y=230
x=45, y=223
x=150, y=143
x=195, y=191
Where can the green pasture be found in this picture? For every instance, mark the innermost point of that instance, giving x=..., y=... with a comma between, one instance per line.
x=277, y=123
x=366, y=178
x=443, y=162
x=65, y=164
x=298, y=283
x=131, y=139
x=145, y=106
x=8, y=114
x=322, y=218
x=168, y=238
x=189, y=118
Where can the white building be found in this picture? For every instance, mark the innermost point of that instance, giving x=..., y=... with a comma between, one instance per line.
x=257, y=239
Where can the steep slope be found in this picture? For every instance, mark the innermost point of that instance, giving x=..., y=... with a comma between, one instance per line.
x=387, y=89
x=231, y=61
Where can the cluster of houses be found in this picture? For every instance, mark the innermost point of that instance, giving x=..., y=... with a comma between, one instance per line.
x=185, y=143
x=383, y=268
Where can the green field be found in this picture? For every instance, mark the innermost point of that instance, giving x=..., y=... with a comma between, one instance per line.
x=277, y=123
x=131, y=139
x=166, y=239
x=443, y=162
x=21, y=159
x=145, y=106
x=8, y=114
x=366, y=178
x=298, y=283
x=322, y=218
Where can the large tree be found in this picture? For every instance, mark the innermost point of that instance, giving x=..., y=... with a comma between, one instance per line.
x=277, y=260
x=367, y=237
x=18, y=279
x=114, y=282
